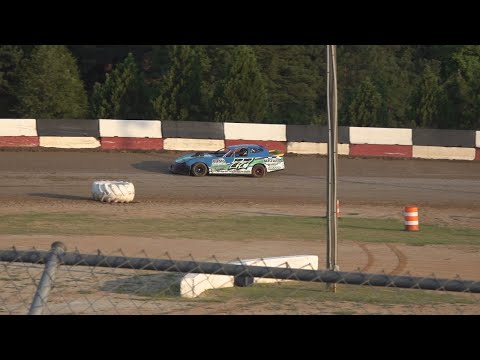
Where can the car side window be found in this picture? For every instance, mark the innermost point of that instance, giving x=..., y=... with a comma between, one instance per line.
x=256, y=150
x=241, y=152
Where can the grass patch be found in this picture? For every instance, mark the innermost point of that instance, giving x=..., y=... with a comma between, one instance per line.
x=166, y=287
x=350, y=293
x=234, y=228
x=160, y=286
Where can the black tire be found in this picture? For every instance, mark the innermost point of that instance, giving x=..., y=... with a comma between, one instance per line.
x=259, y=171
x=199, y=169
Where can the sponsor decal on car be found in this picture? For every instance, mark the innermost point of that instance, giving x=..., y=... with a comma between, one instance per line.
x=239, y=164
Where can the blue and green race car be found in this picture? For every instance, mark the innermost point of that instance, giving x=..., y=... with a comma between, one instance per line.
x=246, y=159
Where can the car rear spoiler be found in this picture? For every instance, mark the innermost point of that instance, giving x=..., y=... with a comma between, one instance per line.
x=276, y=152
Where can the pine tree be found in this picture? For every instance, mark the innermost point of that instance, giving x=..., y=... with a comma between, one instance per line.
x=464, y=89
x=49, y=85
x=429, y=96
x=295, y=81
x=184, y=93
x=123, y=95
x=10, y=56
x=242, y=96
x=390, y=68
x=364, y=110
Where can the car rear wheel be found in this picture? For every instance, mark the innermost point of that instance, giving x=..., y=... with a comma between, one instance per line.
x=259, y=171
x=199, y=169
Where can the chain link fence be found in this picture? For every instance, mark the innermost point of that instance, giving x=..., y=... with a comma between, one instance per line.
x=62, y=282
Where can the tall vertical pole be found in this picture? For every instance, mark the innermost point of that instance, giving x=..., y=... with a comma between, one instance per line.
x=329, y=163
x=332, y=158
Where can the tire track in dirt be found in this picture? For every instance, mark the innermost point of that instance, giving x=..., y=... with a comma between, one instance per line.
x=402, y=260
x=370, y=258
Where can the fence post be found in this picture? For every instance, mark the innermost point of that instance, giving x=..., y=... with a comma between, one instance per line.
x=48, y=278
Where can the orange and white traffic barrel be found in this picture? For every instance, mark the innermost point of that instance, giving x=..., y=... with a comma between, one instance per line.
x=410, y=216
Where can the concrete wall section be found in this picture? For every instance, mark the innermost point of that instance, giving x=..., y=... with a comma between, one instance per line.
x=392, y=151
x=18, y=127
x=69, y=142
x=193, y=130
x=192, y=144
x=130, y=128
x=450, y=153
x=380, y=136
x=19, y=141
x=68, y=127
x=129, y=143
x=315, y=148
x=437, y=137
x=266, y=132
x=315, y=134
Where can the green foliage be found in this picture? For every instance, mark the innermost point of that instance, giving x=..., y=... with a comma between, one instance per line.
x=123, y=95
x=296, y=86
x=430, y=95
x=242, y=96
x=184, y=93
x=464, y=89
x=49, y=85
x=436, y=86
x=365, y=108
x=390, y=68
x=10, y=56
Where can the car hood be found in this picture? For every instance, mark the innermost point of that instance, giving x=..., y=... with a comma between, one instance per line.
x=188, y=157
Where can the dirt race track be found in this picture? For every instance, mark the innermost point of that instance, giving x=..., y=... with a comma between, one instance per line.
x=447, y=193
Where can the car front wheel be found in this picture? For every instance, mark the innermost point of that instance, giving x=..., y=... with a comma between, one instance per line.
x=199, y=169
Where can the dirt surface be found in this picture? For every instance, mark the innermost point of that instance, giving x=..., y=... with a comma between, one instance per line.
x=447, y=193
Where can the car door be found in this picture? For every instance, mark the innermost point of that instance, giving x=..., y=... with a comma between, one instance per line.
x=241, y=160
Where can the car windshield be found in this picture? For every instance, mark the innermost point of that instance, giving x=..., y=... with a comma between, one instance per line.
x=221, y=152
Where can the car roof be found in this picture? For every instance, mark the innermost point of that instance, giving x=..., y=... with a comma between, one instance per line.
x=244, y=145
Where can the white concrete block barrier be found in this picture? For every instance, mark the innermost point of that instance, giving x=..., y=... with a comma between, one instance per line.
x=315, y=148
x=448, y=153
x=380, y=136
x=18, y=127
x=130, y=128
x=69, y=142
x=181, y=144
x=193, y=285
x=245, y=131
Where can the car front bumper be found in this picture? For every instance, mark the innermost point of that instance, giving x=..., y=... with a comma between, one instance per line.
x=180, y=168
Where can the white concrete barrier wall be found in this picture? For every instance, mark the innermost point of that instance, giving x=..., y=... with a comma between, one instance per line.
x=192, y=285
x=69, y=142
x=18, y=127
x=437, y=152
x=130, y=128
x=181, y=144
x=380, y=136
x=477, y=139
x=266, y=132
x=315, y=148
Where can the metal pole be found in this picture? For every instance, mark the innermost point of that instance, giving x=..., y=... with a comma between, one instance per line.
x=334, y=151
x=332, y=158
x=48, y=279
x=354, y=278
x=329, y=164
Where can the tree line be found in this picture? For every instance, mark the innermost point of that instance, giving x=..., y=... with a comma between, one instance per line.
x=430, y=86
